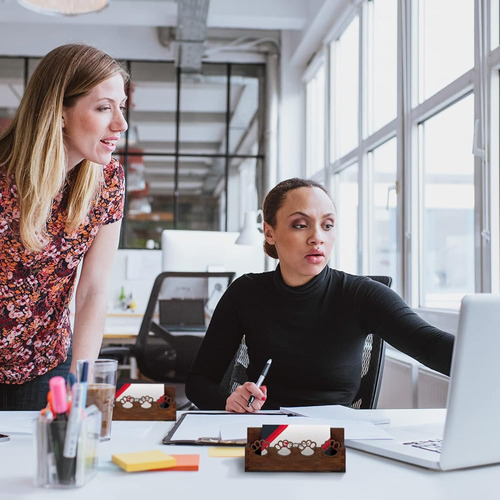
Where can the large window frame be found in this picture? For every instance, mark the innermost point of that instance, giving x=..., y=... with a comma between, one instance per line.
x=483, y=81
x=228, y=201
x=315, y=80
x=226, y=157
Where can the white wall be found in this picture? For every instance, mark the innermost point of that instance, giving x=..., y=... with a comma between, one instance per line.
x=291, y=150
x=136, y=271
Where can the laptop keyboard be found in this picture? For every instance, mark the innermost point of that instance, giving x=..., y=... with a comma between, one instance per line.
x=428, y=444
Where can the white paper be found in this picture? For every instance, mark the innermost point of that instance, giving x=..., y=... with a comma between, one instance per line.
x=236, y=430
x=335, y=412
x=234, y=427
x=196, y=426
x=294, y=434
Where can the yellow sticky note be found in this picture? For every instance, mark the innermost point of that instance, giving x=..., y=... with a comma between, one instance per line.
x=226, y=451
x=143, y=460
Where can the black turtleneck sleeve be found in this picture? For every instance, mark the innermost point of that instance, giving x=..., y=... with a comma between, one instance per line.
x=314, y=333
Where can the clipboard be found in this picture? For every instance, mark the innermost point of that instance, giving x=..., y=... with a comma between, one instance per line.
x=204, y=441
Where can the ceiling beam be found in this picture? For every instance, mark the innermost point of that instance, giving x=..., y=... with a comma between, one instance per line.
x=320, y=24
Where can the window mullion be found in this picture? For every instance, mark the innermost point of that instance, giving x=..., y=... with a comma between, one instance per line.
x=363, y=177
x=482, y=182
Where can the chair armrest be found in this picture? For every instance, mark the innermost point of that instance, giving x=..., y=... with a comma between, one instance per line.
x=159, y=331
x=116, y=351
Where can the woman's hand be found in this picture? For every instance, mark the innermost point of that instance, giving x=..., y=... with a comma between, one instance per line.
x=238, y=400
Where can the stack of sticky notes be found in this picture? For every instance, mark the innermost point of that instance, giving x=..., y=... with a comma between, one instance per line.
x=155, y=460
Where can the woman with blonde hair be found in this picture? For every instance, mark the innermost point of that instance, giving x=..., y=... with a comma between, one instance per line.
x=61, y=202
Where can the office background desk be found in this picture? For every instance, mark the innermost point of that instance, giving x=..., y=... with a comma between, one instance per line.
x=121, y=329
x=366, y=476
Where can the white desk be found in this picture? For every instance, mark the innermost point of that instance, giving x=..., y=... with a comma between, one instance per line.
x=366, y=476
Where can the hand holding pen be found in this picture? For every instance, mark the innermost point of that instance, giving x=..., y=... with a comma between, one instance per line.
x=249, y=397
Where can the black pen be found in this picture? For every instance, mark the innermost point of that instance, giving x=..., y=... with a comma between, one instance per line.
x=260, y=380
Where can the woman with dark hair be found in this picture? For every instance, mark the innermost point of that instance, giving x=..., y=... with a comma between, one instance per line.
x=61, y=202
x=310, y=319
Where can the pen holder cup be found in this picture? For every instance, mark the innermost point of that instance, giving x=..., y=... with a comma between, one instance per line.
x=53, y=469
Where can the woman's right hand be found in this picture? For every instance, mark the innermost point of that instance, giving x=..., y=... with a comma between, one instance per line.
x=238, y=400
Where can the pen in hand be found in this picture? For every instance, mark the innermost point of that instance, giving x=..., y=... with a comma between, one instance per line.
x=260, y=380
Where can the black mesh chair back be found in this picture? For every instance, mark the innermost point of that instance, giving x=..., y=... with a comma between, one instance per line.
x=372, y=366
x=236, y=373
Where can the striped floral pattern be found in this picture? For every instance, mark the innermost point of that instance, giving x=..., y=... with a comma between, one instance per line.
x=36, y=287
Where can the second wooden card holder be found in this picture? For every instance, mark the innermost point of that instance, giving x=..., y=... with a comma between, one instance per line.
x=306, y=456
x=145, y=408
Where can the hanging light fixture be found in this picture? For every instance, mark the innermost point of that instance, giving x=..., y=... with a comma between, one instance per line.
x=65, y=7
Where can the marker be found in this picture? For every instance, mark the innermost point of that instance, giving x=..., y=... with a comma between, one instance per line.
x=71, y=380
x=59, y=398
x=65, y=466
x=260, y=380
x=78, y=402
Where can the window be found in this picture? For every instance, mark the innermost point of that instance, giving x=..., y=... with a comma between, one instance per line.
x=344, y=64
x=315, y=119
x=444, y=57
x=346, y=249
x=383, y=221
x=447, y=248
x=193, y=149
x=382, y=62
x=414, y=89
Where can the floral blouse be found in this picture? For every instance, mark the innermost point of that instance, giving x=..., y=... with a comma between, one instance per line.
x=36, y=287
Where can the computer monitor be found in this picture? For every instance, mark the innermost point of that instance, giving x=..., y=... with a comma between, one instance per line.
x=202, y=251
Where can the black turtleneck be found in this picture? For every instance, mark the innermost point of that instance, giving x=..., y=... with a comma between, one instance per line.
x=314, y=334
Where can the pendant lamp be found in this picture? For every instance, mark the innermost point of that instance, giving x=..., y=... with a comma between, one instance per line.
x=64, y=7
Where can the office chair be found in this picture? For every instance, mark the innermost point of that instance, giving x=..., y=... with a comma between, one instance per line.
x=372, y=366
x=161, y=355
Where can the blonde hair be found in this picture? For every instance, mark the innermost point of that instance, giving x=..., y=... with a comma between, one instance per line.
x=32, y=147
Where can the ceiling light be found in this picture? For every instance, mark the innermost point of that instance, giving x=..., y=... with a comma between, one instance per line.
x=64, y=7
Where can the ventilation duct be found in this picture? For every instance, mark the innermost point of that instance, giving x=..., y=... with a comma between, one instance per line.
x=190, y=34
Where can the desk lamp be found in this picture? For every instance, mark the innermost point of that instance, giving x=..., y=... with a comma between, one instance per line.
x=250, y=234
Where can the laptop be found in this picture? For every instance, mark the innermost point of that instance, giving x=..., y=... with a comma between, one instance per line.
x=183, y=315
x=470, y=435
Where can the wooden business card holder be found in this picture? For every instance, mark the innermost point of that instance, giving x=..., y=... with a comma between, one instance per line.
x=146, y=408
x=306, y=456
